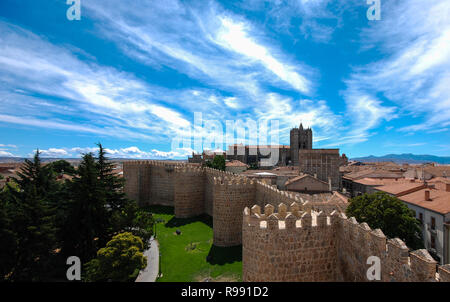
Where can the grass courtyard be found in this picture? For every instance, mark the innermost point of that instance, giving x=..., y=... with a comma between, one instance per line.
x=191, y=256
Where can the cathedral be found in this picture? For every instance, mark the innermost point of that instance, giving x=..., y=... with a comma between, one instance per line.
x=300, y=139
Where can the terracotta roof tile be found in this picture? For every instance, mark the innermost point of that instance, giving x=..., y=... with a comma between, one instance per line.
x=235, y=163
x=440, y=200
x=400, y=189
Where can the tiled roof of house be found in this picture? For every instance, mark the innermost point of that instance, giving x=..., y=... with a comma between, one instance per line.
x=295, y=179
x=235, y=163
x=440, y=200
x=373, y=173
x=400, y=189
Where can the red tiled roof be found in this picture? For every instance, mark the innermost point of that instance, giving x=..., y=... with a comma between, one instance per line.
x=400, y=189
x=235, y=163
x=440, y=200
x=292, y=180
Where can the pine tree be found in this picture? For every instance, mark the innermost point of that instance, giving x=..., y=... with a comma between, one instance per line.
x=8, y=238
x=32, y=221
x=87, y=221
x=122, y=211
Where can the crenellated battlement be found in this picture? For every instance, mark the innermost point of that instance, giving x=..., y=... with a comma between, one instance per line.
x=233, y=181
x=398, y=262
x=286, y=218
x=283, y=236
x=215, y=172
x=284, y=245
x=189, y=169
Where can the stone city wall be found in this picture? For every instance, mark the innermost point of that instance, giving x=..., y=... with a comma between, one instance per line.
x=267, y=194
x=189, y=191
x=356, y=242
x=290, y=245
x=194, y=190
x=293, y=245
x=231, y=196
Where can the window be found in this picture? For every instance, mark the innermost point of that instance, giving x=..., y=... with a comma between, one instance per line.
x=421, y=217
x=433, y=242
x=433, y=223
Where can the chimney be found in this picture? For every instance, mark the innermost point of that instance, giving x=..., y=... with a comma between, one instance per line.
x=447, y=187
x=329, y=184
x=427, y=195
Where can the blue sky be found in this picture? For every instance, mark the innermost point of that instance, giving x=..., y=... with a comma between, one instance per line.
x=131, y=74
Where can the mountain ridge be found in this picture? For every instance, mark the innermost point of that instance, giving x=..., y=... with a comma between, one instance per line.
x=405, y=158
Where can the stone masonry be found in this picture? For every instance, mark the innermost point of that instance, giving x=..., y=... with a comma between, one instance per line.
x=193, y=190
x=298, y=243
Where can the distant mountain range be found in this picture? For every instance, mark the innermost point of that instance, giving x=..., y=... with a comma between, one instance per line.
x=405, y=158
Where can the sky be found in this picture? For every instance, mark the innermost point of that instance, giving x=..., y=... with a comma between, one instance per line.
x=134, y=74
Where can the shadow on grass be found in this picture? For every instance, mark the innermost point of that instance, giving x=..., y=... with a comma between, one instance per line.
x=176, y=222
x=222, y=255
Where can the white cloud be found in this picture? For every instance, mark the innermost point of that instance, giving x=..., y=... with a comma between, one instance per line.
x=365, y=113
x=231, y=102
x=105, y=100
x=235, y=36
x=414, y=75
x=51, y=152
x=6, y=154
x=131, y=152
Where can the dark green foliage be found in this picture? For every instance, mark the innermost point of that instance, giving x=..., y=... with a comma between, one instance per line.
x=8, y=238
x=62, y=166
x=217, y=163
x=388, y=213
x=86, y=227
x=28, y=216
x=253, y=166
x=98, y=209
x=120, y=260
x=43, y=220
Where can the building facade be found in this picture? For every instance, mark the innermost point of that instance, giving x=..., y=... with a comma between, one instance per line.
x=323, y=164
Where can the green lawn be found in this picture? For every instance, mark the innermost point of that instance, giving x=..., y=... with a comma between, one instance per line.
x=191, y=256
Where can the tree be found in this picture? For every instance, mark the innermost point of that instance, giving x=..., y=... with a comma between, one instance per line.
x=120, y=260
x=388, y=213
x=253, y=166
x=62, y=166
x=87, y=218
x=28, y=216
x=98, y=208
x=111, y=184
x=8, y=239
x=217, y=163
x=141, y=225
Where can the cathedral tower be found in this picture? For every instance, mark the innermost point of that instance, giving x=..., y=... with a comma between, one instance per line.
x=300, y=139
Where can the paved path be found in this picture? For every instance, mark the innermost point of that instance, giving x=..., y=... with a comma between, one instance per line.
x=150, y=273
